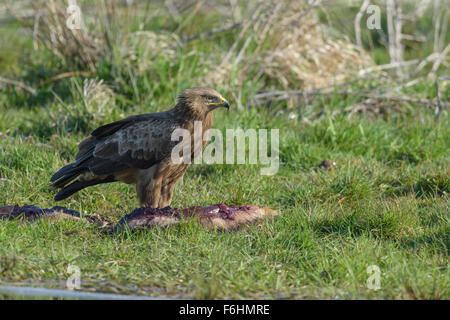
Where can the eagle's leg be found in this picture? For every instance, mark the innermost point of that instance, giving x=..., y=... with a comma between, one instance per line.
x=148, y=188
x=166, y=195
x=169, y=184
x=149, y=195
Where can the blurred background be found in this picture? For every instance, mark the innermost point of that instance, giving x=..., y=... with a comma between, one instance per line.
x=259, y=52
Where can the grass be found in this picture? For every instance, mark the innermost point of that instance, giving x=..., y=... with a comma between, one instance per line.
x=385, y=203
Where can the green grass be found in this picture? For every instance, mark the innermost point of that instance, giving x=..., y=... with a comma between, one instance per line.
x=386, y=203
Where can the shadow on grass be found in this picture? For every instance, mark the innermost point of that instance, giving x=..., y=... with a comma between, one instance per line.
x=355, y=225
x=45, y=93
x=431, y=186
x=381, y=227
x=438, y=240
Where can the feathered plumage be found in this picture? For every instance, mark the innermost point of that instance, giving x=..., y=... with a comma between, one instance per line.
x=137, y=150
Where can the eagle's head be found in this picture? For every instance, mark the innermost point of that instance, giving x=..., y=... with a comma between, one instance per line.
x=198, y=102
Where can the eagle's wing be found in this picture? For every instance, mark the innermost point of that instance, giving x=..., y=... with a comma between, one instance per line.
x=129, y=143
x=135, y=142
x=110, y=128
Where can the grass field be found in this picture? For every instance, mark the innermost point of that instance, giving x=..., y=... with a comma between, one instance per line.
x=385, y=203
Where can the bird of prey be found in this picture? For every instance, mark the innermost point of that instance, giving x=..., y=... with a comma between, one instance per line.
x=137, y=150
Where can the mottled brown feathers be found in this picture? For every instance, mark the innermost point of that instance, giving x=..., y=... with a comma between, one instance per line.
x=137, y=150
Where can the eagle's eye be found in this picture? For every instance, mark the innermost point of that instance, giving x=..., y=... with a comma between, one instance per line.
x=209, y=98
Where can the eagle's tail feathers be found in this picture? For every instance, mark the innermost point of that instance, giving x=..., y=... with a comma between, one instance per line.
x=78, y=185
x=66, y=174
x=62, y=172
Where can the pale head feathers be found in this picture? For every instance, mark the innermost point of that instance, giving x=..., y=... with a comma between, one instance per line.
x=196, y=103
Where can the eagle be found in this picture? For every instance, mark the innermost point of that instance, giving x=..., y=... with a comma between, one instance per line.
x=137, y=150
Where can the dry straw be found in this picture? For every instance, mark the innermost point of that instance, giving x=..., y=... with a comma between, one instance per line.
x=292, y=46
x=76, y=47
x=279, y=42
x=103, y=35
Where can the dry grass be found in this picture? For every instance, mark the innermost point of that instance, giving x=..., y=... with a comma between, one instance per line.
x=291, y=46
x=282, y=42
x=98, y=97
x=143, y=46
x=107, y=32
x=79, y=48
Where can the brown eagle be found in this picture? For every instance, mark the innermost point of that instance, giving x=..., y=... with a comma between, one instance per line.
x=137, y=150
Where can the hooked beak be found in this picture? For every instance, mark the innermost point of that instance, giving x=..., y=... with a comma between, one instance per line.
x=222, y=103
x=225, y=104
